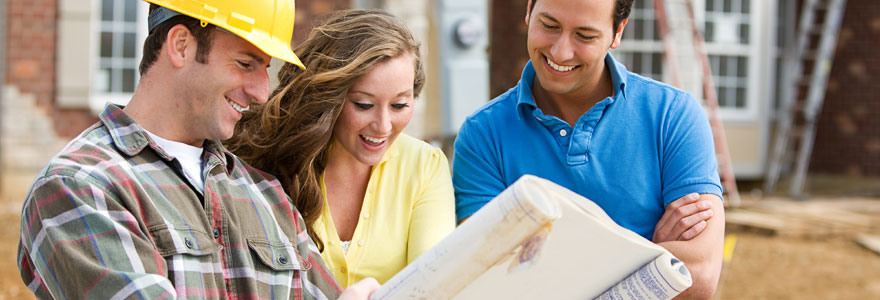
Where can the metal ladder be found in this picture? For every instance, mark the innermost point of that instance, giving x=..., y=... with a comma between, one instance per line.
x=803, y=93
x=681, y=29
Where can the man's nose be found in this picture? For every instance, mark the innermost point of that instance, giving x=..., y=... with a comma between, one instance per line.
x=562, y=49
x=257, y=87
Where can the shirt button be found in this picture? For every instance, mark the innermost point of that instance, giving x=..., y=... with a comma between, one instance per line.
x=283, y=260
x=366, y=215
x=216, y=233
x=188, y=243
x=538, y=118
x=563, y=132
x=361, y=243
x=344, y=270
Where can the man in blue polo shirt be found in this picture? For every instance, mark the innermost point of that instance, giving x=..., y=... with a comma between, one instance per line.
x=640, y=149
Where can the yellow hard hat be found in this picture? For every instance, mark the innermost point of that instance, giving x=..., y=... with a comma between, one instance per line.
x=268, y=24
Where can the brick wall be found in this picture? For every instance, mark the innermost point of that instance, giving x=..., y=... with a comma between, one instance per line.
x=848, y=132
x=507, y=44
x=30, y=53
x=33, y=127
x=309, y=12
x=31, y=46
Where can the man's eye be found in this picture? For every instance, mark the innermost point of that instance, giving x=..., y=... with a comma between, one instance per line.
x=548, y=26
x=587, y=37
x=243, y=64
x=363, y=106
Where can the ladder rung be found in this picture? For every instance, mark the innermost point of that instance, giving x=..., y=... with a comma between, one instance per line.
x=816, y=29
x=809, y=54
x=821, y=5
x=796, y=132
x=804, y=81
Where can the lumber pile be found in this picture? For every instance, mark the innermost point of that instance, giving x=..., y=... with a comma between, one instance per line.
x=808, y=219
x=872, y=242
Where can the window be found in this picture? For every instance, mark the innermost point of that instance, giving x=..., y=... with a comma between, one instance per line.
x=731, y=81
x=728, y=25
x=729, y=28
x=121, y=30
x=641, y=50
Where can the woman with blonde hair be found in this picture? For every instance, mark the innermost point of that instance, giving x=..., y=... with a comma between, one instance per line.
x=373, y=198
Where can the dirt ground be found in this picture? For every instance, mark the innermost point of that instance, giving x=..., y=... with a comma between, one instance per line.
x=762, y=266
x=765, y=267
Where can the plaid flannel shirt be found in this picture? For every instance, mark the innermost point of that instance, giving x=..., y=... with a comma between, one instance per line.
x=111, y=217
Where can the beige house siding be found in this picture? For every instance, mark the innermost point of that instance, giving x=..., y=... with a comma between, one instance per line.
x=74, y=54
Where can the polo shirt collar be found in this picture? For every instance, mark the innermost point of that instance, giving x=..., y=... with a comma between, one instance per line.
x=525, y=98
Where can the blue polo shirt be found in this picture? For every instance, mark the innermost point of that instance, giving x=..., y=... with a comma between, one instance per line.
x=632, y=153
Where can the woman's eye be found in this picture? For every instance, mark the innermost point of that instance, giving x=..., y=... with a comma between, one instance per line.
x=363, y=106
x=400, y=105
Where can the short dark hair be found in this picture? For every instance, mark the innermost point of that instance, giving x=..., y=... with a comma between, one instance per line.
x=621, y=11
x=154, y=41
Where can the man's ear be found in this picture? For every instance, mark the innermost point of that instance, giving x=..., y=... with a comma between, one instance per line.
x=179, y=45
x=619, y=34
x=528, y=11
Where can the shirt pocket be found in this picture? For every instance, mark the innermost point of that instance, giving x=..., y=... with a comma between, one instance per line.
x=277, y=256
x=189, y=241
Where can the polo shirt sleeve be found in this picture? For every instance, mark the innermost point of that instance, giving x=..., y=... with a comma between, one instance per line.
x=688, y=162
x=476, y=172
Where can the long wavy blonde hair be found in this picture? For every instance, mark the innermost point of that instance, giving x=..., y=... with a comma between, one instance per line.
x=289, y=135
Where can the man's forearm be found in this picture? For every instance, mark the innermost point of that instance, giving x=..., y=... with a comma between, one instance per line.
x=703, y=254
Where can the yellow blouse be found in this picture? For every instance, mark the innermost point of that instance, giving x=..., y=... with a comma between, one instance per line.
x=408, y=207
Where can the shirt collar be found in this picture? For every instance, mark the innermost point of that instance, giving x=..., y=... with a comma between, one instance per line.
x=130, y=138
x=525, y=98
x=392, y=151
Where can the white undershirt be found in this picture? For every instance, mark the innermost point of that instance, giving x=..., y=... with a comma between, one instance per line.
x=345, y=246
x=190, y=159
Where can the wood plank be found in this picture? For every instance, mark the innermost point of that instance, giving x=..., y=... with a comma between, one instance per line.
x=756, y=221
x=872, y=242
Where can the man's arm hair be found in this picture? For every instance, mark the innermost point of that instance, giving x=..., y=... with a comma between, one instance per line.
x=702, y=254
x=683, y=219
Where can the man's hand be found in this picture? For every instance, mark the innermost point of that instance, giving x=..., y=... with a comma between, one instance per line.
x=683, y=219
x=360, y=290
x=702, y=253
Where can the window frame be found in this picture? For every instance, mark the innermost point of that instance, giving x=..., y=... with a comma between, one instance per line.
x=753, y=51
x=98, y=98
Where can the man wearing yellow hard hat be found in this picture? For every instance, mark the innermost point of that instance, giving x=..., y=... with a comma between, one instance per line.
x=147, y=204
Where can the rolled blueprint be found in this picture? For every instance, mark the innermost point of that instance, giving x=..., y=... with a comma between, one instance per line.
x=515, y=217
x=663, y=278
